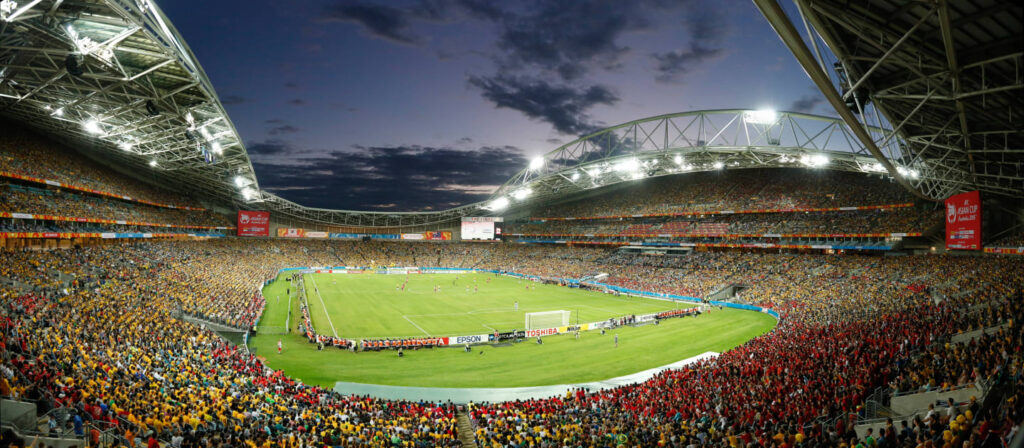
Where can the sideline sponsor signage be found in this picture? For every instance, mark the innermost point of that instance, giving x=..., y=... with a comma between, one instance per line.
x=252, y=223
x=963, y=221
x=541, y=332
x=474, y=339
x=287, y=232
x=316, y=234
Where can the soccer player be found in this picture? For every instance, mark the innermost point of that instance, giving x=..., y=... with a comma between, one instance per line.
x=279, y=346
x=515, y=306
x=616, y=340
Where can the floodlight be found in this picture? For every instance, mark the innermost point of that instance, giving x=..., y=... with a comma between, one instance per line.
x=59, y=112
x=537, y=163
x=678, y=159
x=189, y=118
x=125, y=146
x=217, y=149
x=594, y=172
x=93, y=127
x=627, y=165
x=239, y=181
x=764, y=116
x=498, y=204
x=814, y=160
x=522, y=193
x=152, y=162
x=718, y=165
x=248, y=193
x=206, y=134
x=576, y=175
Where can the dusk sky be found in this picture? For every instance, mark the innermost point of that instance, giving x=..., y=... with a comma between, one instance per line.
x=427, y=105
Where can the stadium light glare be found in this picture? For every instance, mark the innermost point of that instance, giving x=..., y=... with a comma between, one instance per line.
x=498, y=204
x=718, y=165
x=239, y=181
x=522, y=193
x=59, y=112
x=628, y=165
x=814, y=160
x=152, y=163
x=190, y=119
x=206, y=133
x=576, y=175
x=764, y=116
x=217, y=149
x=92, y=127
x=537, y=163
x=248, y=193
x=678, y=159
x=125, y=146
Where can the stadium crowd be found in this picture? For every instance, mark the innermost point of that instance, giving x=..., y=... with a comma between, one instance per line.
x=27, y=154
x=754, y=189
x=55, y=202
x=903, y=220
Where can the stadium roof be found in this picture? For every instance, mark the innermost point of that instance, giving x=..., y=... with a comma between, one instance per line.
x=945, y=74
x=115, y=79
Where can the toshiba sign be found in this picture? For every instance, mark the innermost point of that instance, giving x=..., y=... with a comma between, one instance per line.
x=253, y=223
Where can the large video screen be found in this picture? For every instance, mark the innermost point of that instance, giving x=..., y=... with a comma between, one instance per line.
x=479, y=228
x=251, y=223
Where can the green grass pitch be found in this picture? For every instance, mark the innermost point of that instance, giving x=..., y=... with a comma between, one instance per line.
x=368, y=305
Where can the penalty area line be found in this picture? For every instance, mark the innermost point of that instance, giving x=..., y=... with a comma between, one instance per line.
x=414, y=324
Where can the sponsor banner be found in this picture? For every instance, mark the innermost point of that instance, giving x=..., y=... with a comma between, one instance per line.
x=288, y=232
x=963, y=221
x=541, y=332
x=437, y=236
x=412, y=236
x=473, y=339
x=108, y=235
x=316, y=234
x=383, y=236
x=346, y=236
x=729, y=212
x=1005, y=250
x=253, y=223
x=21, y=216
x=89, y=190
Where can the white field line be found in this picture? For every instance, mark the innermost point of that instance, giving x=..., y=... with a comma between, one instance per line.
x=414, y=324
x=324, y=305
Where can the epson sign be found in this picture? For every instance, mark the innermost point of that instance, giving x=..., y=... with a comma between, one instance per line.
x=470, y=339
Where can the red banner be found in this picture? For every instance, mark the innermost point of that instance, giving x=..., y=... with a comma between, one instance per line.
x=1005, y=250
x=253, y=223
x=963, y=221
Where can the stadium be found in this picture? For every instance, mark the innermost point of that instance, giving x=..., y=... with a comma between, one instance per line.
x=713, y=277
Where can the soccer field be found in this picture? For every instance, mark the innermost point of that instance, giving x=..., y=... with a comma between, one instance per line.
x=372, y=306
x=369, y=306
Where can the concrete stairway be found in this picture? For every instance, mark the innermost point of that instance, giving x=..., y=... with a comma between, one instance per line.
x=466, y=433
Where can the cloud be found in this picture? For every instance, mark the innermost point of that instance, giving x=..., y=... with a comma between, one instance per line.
x=394, y=178
x=267, y=148
x=379, y=21
x=297, y=102
x=570, y=37
x=706, y=27
x=284, y=129
x=563, y=106
x=228, y=100
x=806, y=103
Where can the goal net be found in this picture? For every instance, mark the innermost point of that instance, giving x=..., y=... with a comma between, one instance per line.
x=547, y=319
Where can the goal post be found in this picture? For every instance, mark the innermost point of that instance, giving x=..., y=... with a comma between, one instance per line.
x=547, y=319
